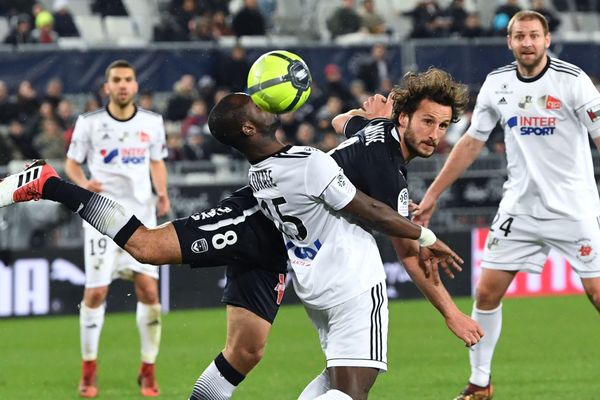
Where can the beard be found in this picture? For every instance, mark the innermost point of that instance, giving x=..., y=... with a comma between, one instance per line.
x=529, y=65
x=412, y=144
x=271, y=128
x=116, y=99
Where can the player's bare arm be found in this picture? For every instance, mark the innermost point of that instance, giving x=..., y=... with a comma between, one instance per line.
x=376, y=106
x=158, y=172
x=463, y=154
x=383, y=218
x=77, y=176
x=460, y=324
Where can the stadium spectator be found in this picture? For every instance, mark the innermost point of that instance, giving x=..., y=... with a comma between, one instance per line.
x=129, y=169
x=146, y=101
x=232, y=70
x=548, y=202
x=198, y=117
x=289, y=125
x=7, y=107
x=551, y=17
x=201, y=29
x=457, y=15
x=64, y=114
x=8, y=151
x=54, y=91
x=21, y=140
x=502, y=15
x=64, y=25
x=185, y=92
x=174, y=146
x=44, y=29
x=21, y=33
x=375, y=69
x=109, y=7
x=219, y=25
x=426, y=20
x=249, y=21
x=27, y=104
x=213, y=6
x=336, y=86
x=12, y=8
x=473, y=27
x=50, y=141
x=185, y=16
x=91, y=104
x=196, y=145
x=344, y=20
x=371, y=21
x=306, y=135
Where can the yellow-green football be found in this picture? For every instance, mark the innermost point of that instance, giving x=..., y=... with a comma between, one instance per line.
x=279, y=82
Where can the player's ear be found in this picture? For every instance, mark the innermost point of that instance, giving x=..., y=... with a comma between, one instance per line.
x=248, y=128
x=105, y=88
x=403, y=120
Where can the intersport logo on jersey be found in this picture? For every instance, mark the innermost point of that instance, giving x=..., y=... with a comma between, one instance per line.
x=124, y=155
x=537, y=126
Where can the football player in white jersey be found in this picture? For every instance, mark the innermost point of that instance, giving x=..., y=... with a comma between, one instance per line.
x=338, y=273
x=547, y=108
x=123, y=146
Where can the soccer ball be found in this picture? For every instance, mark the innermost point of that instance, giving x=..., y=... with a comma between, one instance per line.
x=279, y=82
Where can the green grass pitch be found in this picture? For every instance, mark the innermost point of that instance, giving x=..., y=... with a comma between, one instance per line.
x=549, y=350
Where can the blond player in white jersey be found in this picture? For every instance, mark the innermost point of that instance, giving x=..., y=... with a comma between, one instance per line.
x=124, y=147
x=337, y=270
x=547, y=108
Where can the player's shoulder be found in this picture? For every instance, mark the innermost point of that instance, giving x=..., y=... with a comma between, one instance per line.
x=557, y=66
x=97, y=113
x=148, y=113
x=296, y=152
x=501, y=72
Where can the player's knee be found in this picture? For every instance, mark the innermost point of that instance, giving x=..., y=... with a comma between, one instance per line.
x=253, y=355
x=94, y=297
x=487, y=298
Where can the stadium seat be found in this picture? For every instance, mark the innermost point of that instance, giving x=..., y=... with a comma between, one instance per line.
x=80, y=7
x=4, y=28
x=90, y=28
x=587, y=21
x=121, y=31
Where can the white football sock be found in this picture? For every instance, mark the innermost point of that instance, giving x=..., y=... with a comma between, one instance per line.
x=334, y=395
x=320, y=385
x=211, y=385
x=481, y=354
x=90, y=327
x=149, y=324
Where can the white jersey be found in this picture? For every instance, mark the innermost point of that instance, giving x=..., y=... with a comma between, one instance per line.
x=333, y=260
x=118, y=155
x=546, y=121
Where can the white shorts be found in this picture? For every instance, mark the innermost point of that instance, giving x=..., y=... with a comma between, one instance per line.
x=354, y=333
x=522, y=243
x=105, y=261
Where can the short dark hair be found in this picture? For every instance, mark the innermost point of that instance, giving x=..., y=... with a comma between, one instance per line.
x=434, y=84
x=527, y=15
x=227, y=117
x=118, y=64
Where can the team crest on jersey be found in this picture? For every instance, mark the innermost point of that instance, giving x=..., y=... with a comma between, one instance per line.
x=200, y=246
x=341, y=180
x=144, y=137
x=504, y=89
x=403, y=202
x=585, y=252
x=593, y=113
x=549, y=102
x=525, y=102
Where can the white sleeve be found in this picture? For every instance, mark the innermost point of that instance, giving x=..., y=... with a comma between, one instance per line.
x=326, y=180
x=158, y=146
x=80, y=142
x=484, y=117
x=587, y=104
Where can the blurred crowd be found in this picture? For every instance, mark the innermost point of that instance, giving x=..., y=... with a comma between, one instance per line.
x=210, y=20
x=40, y=124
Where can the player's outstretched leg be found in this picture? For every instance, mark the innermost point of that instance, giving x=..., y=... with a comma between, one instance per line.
x=26, y=185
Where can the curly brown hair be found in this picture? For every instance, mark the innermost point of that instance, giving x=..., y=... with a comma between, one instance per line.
x=434, y=84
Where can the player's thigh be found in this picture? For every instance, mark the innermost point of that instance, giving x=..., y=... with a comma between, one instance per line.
x=514, y=243
x=100, y=255
x=578, y=241
x=354, y=333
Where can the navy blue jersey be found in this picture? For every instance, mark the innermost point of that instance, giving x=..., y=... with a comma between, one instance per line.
x=372, y=160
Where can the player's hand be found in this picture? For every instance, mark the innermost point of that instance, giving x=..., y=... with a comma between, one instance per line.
x=465, y=328
x=431, y=264
x=378, y=106
x=163, y=205
x=424, y=210
x=443, y=256
x=93, y=186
